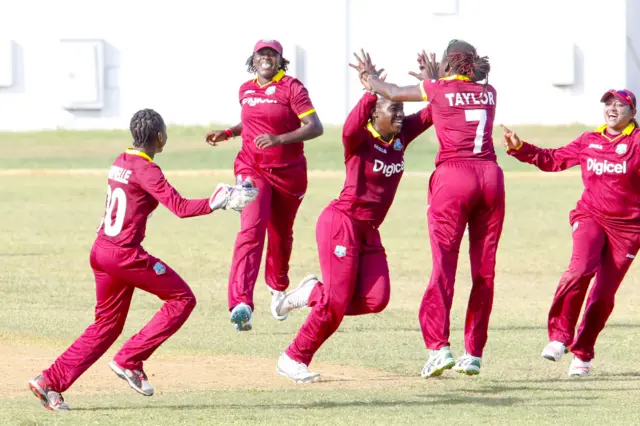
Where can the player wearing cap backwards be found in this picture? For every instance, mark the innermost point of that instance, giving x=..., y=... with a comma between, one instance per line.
x=355, y=274
x=605, y=222
x=277, y=116
x=120, y=265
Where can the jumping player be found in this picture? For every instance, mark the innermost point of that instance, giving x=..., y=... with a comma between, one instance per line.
x=605, y=223
x=274, y=106
x=135, y=187
x=352, y=259
x=466, y=189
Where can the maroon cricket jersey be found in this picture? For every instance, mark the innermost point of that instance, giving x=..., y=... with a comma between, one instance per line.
x=374, y=167
x=274, y=108
x=135, y=186
x=463, y=114
x=610, y=172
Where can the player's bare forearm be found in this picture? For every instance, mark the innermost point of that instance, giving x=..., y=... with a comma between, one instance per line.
x=311, y=129
x=394, y=92
x=237, y=129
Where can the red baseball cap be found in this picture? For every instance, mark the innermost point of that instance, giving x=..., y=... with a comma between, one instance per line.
x=625, y=96
x=271, y=44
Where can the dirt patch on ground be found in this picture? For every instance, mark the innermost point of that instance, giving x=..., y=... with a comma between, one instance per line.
x=168, y=374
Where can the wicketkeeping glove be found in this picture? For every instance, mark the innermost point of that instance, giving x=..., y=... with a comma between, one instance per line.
x=235, y=197
x=243, y=193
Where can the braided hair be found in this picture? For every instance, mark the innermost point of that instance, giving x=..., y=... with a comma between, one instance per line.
x=251, y=69
x=145, y=126
x=464, y=60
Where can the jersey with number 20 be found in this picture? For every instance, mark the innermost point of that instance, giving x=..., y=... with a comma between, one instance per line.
x=463, y=114
x=135, y=186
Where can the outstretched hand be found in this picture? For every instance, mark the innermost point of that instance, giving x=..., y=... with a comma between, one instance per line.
x=429, y=67
x=366, y=68
x=510, y=139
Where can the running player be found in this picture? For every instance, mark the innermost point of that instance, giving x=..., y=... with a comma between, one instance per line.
x=352, y=259
x=274, y=106
x=466, y=189
x=605, y=223
x=120, y=265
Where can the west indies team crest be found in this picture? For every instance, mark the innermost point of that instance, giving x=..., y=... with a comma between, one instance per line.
x=270, y=90
x=397, y=145
x=621, y=149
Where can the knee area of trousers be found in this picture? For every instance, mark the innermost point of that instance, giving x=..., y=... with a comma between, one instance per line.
x=379, y=304
x=575, y=272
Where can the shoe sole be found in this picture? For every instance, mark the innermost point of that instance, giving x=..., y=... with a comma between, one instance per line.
x=240, y=318
x=274, y=313
x=550, y=357
x=438, y=371
x=120, y=373
x=39, y=393
x=468, y=372
x=312, y=379
x=304, y=281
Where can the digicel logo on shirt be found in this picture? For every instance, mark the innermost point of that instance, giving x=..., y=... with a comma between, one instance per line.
x=388, y=169
x=600, y=167
x=255, y=101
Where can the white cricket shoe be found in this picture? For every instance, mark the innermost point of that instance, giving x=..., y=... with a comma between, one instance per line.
x=554, y=351
x=579, y=368
x=296, y=371
x=277, y=297
x=438, y=362
x=241, y=317
x=137, y=379
x=296, y=298
x=468, y=364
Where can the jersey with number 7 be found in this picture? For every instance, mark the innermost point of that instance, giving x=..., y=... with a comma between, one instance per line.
x=135, y=186
x=463, y=114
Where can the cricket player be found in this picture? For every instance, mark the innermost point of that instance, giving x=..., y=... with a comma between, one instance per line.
x=465, y=190
x=352, y=259
x=277, y=116
x=120, y=265
x=605, y=224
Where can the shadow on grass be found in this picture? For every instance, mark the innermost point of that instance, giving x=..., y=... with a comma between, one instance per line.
x=428, y=400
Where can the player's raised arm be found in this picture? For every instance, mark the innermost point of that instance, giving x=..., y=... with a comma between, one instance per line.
x=546, y=159
x=355, y=124
x=416, y=124
x=391, y=91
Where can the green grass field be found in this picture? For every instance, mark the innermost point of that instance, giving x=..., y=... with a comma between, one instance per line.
x=210, y=374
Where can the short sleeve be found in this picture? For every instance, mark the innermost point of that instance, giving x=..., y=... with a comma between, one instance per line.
x=428, y=88
x=300, y=102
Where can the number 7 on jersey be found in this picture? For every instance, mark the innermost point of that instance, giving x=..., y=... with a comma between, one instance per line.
x=479, y=115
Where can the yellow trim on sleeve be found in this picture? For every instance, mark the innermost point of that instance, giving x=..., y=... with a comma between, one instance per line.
x=456, y=77
x=424, y=92
x=276, y=78
x=139, y=153
x=304, y=114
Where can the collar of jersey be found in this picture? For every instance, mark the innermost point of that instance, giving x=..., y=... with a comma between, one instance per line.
x=139, y=153
x=376, y=135
x=276, y=78
x=626, y=132
x=456, y=77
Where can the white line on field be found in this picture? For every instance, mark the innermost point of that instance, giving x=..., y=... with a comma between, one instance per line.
x=228, y=172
